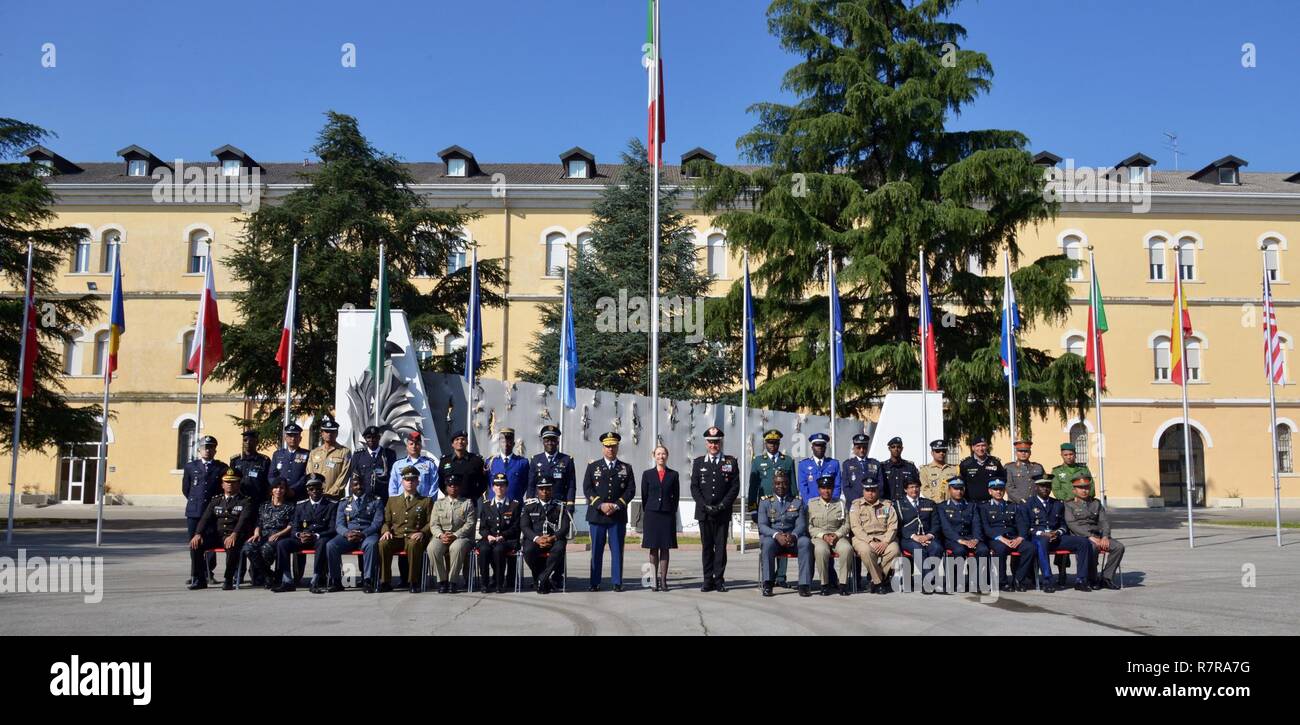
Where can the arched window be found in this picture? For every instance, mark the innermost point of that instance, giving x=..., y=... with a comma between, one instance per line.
x=1284, y=448
x=458, y=258
x=185, y=442
x=557, y=255
x=72, y=352
x=1273, y=259
x=1156, y=260
x=1194, y=358
x=1076, y=344
x=1079, y=437
x=716, y=256
x=187, y=342
x=101, y=351
x=81, y=258
x=584, y=244
x=198, y=252
x=1161, y=347
x=452, y=343
x=1186, y=259
x=1074, y=250
x=109, y=245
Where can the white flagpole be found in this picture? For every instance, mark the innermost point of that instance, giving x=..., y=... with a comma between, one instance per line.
x=470, y=319
x=744, y=460
x=202, y=331
x=1270, y=340
x=1011, y=351
x=18, y=403
x=925, y=413
x=1187, y=428
x=103, y=428
x=380, y=296
x=1095, y=334
x=655, y=155
x=830, y=298
x=293, y=332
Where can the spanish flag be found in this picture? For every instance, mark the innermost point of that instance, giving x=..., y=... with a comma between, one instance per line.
x=117, y=320
x=1179, y=328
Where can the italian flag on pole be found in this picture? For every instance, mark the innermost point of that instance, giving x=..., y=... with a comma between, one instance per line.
x=655, y=127
x=1096, y=328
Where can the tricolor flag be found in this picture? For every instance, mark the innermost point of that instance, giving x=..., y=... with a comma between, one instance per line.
x=1010, y=323
x=1179, y=327
x=568, y=382
x=117, y=320
x=33, y=344
x=656, y=130
x=1096, y=328
x=751, y=343
x=206, y=351
x=382, y=326
x=926, y=326
x=1272, y=343
x=282, y=355
x=837, y=333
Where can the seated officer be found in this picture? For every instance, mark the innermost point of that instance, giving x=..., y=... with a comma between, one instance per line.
x=498, y=531
x=995, y=525
x=546, y=524
x=875, y=535
x=957, y=520
x=918, y=524
x=1085, y=516
x=406, y=528
x=274, y=522
x=828, y=529
x=356, y=525
x=1042, y=520
x=225, y=524
x=783, y=529
x=452, y=528
x=313, y=527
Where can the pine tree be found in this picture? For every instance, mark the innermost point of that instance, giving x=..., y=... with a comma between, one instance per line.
x=25, y=216
x=356, y=199
x=863, y=163
x=617, y=261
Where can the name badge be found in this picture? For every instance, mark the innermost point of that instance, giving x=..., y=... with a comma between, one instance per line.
x=254, y=473
x=329, y=464
x=555, y=474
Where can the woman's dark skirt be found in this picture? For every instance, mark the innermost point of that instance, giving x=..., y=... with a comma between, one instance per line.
x=659, y=530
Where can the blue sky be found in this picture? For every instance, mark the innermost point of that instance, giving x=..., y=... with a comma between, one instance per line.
x=523, y=81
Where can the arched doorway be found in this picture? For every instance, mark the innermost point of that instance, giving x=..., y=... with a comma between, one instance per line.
x=1173, y=467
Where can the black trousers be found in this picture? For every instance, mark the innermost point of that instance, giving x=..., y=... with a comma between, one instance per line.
x=192, y=528
x=541, y=565
x=713, y=546
x=199, y=556
x=492, y=557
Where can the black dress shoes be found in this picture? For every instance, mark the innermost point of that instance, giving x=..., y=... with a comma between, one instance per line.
x=196, y=584
x=767, y=589
x=804, y=591
x=720, y=585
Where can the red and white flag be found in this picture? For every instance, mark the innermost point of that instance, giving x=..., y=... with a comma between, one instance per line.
x=286, y=330
x=656, y=128
x=1272, y=343
x=207, y=330
x=33, y=344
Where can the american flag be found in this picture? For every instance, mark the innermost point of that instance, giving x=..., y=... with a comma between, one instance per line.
x=1272, y=343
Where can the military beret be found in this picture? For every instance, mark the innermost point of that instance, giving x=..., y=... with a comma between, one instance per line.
x=231, y=475
x=714, y=433
x=978, y=440
x=821, y=438
x=410, y=472
x=997, y=483
x=293, y=428
x=371, y=430
x=938, y=445
x=1044, y=481
x=895, y=441
x=508, y=432
x=315, y=479
x=773, y=435
x=826, y=482
x=1067, y=447
x=860, y=439
x=501, y=479
x=610, y=439
x=206, y=441
x=248, y=434
x=550, y=431
x=1082, y=476
x=327, y=422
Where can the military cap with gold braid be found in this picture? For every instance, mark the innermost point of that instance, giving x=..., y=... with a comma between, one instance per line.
x=610, y=439
x=772, y=435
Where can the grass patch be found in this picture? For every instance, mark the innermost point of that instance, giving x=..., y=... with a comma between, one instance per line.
x=1253, y=523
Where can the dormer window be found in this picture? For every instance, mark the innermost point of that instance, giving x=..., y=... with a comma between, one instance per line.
x=230, y=167
x=456, y=167
x=1222, y=172
x=137, y=167
x=578, y=163
x=1227, y=175
x=577, y=169
x=45, y=167
x=693, y=159
x=459, y=162
x=1137, y=175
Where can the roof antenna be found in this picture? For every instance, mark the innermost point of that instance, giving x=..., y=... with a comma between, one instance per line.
x=1172, y=145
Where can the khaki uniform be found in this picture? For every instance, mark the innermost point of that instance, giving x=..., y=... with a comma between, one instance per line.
x=875, y=522
x=334, y=463
x=830, y=517
x=451, y=516
x=934, y=480
x=403, y=517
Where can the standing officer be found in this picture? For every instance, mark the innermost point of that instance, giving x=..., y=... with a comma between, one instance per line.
x=978, y=469
x=425, y=467
x=608, y=486
x=406, y=528
x=896, y=471
x=330, y=460
x=1086, y=517
x=469, y=465
x=874, y=524
x=936, y=474
x=858, y=470
x=918, y=525
x=996, y=526
x=356, y=525
x=811, y=469
x=374, y=463
x=201, y=481
x=560, y=469
x=761, y=472
x=452, y=528
x=498, y=535
x=1022, y=472
x=546, y=524
x=783, y=529
x=957, y=519
x=715, y=484
x=253, y=468
x=515, y=467
x=290, y=463
x=313, y=527
x=1042, y=520
x=1063, y=475
x=828, y=529
x=225, y=523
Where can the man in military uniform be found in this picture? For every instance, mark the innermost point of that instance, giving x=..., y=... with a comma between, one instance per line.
x=936, y=474
x=313, y=527
x=761, y=472
x=406, y=528
x=608, y=486
x=1086, y=517
x=896, y=471
x=498, y=535
x=1063, y=475
x=452, y=528
x=874, y=524
x=996, y=526
x=828, y=529
x=715, y=484
x=918, y=525
x=426, y=467
x=331, y=461
x=1022, y=472
x=546, y=524
x=290, y=463
x=469, y=465
x=356, y=525
x=1042, y=520
x=783, y=529
x=224, y=523
x=515, y=467
x=374, y=463
x=812, y=468
x=978, y=469
x=253, y=468
x=957, y=520
x=560, y=469
x=200, y=481
x=858, y=469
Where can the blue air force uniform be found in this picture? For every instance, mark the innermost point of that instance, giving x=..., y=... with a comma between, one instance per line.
x=315, y=518
x=428, y=468
x=916, y=517
x=787, y=515
x=364, y=514
x=200, y=481
x=374, y=467
x=810, y=470
x=996, y=520
x=516, y=469
x=957, y=520
x=856, y=471
x=1038, y=519
x=290, y=466
x=558, y=469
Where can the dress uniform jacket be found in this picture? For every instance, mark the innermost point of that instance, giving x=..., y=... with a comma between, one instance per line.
x=559, y=469
x=977, y=475
x=374, y=468
x=292, y=467
x=500, y=518
x=456, y=516
x=778, y=515
x=1039, y=515
x=363, y=513
x=314, y=518
x=934, y=480
x=403, y=518
x=199, y=483
x=810, y=471
x=603, y=484
x=545, y=518
x=854, y=472
x=874, y=522
x=1087, y=518
x=253, y=470
x=516, y=469
x=1020, y=480
x=919, y=519
x=472, y=470
x=761, y=472
x=334, y=464
x=996, y=519
x=1063, y=480
x=428, y=468
x=827, y=517
x=896, y=476
x=957, y=520
x=715, y=484
x=226, y=515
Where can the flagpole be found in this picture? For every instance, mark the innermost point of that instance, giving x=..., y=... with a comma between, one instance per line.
x=1011, y=348
x=378, y=360
x=1093, y=303
x=202, y=331
x=293, y=332
x=103, y=428
x=18, y=403
x=1187, y=430
x=925, y=413
x=830, y=298
x=744, y=399
x=656, y=154
x=1270, y=341
x=470, y=347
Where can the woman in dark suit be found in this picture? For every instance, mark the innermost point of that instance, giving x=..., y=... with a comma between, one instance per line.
x=660, y=491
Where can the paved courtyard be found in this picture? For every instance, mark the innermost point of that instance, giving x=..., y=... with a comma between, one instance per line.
x=1168, y=589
